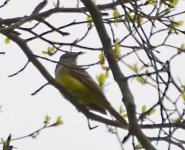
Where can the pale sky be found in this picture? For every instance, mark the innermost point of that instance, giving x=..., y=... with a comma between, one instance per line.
x=22, y=113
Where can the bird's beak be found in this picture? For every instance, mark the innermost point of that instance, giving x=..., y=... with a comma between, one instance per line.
x=80, y=53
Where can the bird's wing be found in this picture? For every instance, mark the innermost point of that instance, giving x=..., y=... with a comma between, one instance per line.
x=85, y=78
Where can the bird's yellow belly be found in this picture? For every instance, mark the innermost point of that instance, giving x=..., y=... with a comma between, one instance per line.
x=83, y=94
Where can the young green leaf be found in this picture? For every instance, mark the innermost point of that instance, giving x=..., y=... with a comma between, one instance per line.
x=182, y=46
x=152, y=111
x=139, y=146
x=116, y=15
x=172, y=3
x=116, y=49
x=152, y=2
x=107, y=74
x=7, y=40
x=89, y=19
x=178, y=23
x=175, y=120
x=125, y=115
x=140, y=79
x=59, y=121
x=101, y=79
x=134, y=68
x=101, y=58
x=47, y=119
x=51, y=49
x=129, y=17
x=143, y=108
x=183, y=88
x=121, y=110
x=183, y=96
x=45, y=52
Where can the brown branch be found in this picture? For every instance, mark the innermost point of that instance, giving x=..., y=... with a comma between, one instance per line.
x=23, y=45
x=2, y=53
x=39, y=89
x=24, y=67
x=169, y=140
x=5, y=3
x=39, y=7
x=164, y=125
x=60, y=10
x=118, y=76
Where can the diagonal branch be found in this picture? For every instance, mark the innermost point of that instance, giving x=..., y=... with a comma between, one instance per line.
x=26, y=49
x=118, y=75
x=59, y=10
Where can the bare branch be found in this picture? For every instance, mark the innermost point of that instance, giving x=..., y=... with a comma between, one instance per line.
x=22, y=69
x=118, y=76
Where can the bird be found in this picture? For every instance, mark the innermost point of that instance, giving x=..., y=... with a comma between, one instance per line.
x=86, y=91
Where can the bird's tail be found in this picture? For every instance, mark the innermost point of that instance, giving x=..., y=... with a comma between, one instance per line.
x=117, y=116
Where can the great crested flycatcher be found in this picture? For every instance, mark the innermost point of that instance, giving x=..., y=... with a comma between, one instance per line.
x=84, y=88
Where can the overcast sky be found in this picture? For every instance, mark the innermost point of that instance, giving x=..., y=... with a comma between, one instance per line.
x=22, y=113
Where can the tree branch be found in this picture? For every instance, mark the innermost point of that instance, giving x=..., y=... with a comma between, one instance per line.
x=118, y=75
x=23, y=45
